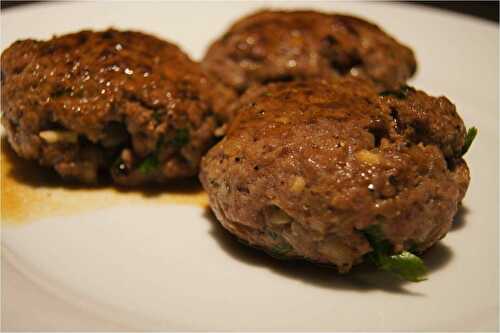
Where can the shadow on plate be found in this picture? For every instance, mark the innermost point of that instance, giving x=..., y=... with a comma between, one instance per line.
x=364, y=277
x=460, y=218
x=31, y=174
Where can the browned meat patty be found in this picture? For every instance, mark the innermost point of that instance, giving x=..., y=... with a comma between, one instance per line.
x=118, y=102
x=271, y=46
x=307, y=167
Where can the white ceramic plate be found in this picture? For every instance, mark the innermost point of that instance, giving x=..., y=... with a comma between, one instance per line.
x=77, y=259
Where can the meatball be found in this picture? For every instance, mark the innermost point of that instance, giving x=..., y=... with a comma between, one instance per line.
x=117, y=103
x=271, y=46
x=307, y=167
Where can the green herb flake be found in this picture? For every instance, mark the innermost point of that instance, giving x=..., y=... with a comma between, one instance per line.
x=405, y=264
x=157, y=114
x=149, y=165
x=272, y=234
x=268, y=94
x=281, y=249
x=402, y=93
x=375, y=237
x=181, y=137
x=469, y=137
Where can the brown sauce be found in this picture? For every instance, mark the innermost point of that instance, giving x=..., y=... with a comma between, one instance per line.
x=30, y=192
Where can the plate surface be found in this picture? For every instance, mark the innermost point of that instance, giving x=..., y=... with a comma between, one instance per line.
x=85, y=259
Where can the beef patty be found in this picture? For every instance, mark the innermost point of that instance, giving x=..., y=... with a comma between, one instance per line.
x=271, y=46
x=121, y=103
x=307, y=168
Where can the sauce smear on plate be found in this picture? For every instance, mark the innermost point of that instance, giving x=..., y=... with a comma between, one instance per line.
x=30, y=192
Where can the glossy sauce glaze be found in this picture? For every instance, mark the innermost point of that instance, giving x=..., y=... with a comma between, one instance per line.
x=30, y=192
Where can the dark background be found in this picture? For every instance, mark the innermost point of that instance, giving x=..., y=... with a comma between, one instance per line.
x=484, y=9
